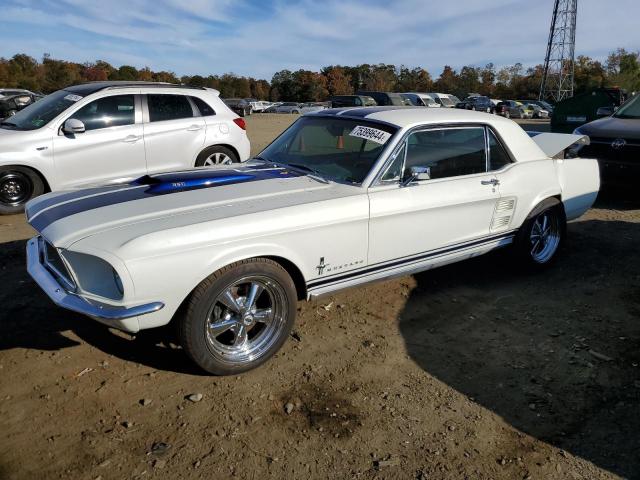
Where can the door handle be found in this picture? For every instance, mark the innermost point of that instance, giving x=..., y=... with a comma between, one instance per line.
x=194, y=128
x=131, y=138
x=493, y=181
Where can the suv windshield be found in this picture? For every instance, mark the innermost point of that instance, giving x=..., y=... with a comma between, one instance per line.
x=40, y=113
x=631, y=109
x=338, y=149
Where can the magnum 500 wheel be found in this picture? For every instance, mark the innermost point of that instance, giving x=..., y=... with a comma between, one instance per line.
x=239, y=317
x=541, y=235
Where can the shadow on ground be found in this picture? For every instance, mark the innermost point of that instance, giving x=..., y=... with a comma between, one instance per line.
x=30, y=320
x=556, y=354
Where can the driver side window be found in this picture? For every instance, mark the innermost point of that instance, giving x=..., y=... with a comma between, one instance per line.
x=112, y=111
x=447, y=152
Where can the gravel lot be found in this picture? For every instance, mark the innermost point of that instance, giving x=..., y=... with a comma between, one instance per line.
x=470, y=371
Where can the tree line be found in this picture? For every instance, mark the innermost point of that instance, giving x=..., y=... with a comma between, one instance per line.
x=621, y=69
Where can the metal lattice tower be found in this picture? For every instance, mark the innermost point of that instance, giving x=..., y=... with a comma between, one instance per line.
x=557, y=77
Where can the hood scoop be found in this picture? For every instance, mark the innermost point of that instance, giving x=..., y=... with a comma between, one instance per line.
x=173, y=183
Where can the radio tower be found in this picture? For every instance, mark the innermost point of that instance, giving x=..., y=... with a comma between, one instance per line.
x=557, y=77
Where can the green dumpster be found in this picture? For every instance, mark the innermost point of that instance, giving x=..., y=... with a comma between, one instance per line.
x=580, y=109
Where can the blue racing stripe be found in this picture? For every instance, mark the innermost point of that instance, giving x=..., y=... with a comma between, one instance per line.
x=150, y=186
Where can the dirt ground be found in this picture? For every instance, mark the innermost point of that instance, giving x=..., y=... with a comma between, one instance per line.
x=472, y=371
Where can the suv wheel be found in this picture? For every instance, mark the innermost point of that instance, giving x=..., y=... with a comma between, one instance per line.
x=216, y=155
x=238, y=317
x=18, y=185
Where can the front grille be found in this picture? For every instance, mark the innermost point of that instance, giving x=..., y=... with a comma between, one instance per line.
x=601, y=149
x=54, y=263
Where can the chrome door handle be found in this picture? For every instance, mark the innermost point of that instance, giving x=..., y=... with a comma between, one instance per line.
x=194, y=128
x=493, y=181
x=131, y=138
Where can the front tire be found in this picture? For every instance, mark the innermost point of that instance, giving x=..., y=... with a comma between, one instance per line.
x=18, y=185
x=216, y=155
x=542, y=235
x=239, y=317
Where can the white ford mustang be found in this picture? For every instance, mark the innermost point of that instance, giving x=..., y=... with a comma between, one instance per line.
x=343, y=197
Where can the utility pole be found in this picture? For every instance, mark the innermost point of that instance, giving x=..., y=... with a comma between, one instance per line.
x=557, y=77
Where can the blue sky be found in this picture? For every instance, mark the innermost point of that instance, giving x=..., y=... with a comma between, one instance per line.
x=257, y=38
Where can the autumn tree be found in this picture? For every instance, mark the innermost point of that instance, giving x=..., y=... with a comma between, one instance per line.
x=338, y=82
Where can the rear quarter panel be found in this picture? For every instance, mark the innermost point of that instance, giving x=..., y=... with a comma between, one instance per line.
x=579, y=180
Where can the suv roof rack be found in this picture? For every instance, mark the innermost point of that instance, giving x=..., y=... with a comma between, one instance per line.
x=88, y=88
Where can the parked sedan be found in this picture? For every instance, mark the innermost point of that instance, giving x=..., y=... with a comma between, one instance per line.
x=12, y=104
x=338, y=101
x=108, y=132
x=340, y=199
x=384, y=98
x=288, y=107
x=478, y=103
x=239, y=106
x=511, y=109
x=420, y=100
x=311, y=107
x=535, y=111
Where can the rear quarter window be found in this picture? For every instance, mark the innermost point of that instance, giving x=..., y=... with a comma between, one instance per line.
x=205, y=109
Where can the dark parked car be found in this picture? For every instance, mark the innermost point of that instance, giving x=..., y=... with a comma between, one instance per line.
x=384, y=98
x=352, y=101
x=238, y=105
x=511, y=109
x=478, y=103
x=10, y=104
x=615, y=142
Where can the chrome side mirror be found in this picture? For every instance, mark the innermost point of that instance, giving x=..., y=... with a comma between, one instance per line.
x=73, y=126
x=604, y=112
x=417, y=173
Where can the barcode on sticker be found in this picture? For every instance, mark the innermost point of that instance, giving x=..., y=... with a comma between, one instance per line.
x=373, y=134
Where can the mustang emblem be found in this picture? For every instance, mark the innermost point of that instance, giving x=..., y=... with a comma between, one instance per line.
x=618, y=143
x=321, y=266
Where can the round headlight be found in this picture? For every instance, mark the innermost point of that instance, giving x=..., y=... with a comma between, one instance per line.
x=118, y=282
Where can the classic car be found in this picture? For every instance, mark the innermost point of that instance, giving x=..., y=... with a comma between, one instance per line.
x=343, y=197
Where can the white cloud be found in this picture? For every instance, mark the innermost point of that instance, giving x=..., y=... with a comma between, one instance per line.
x=217, y=36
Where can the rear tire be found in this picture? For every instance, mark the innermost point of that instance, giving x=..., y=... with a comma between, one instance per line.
x=216, y=155
x=541, y=236
x=18, y=185
x=239, y=316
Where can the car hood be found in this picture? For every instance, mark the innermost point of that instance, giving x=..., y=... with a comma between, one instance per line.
x=612, y=127
x=172, y=200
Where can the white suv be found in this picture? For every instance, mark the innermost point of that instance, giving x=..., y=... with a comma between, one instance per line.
x=112, y=132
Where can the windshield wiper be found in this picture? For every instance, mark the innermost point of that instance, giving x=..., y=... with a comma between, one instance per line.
x=14, y=125
x=314, y=173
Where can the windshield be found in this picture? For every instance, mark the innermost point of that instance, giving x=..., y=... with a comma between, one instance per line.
x=338, y=149
x=40, y=113
x=630, y=109
x=446, y=101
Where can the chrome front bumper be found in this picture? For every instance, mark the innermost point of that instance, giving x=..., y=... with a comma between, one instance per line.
x=71, y=301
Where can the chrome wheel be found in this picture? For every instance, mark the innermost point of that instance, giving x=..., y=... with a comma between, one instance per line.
x=15, y=188
x=545, y=236
x=218, y=158
x=245, y=319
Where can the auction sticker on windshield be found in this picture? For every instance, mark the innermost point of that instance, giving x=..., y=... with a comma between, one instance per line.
x=373, y=134
x=73, y=98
